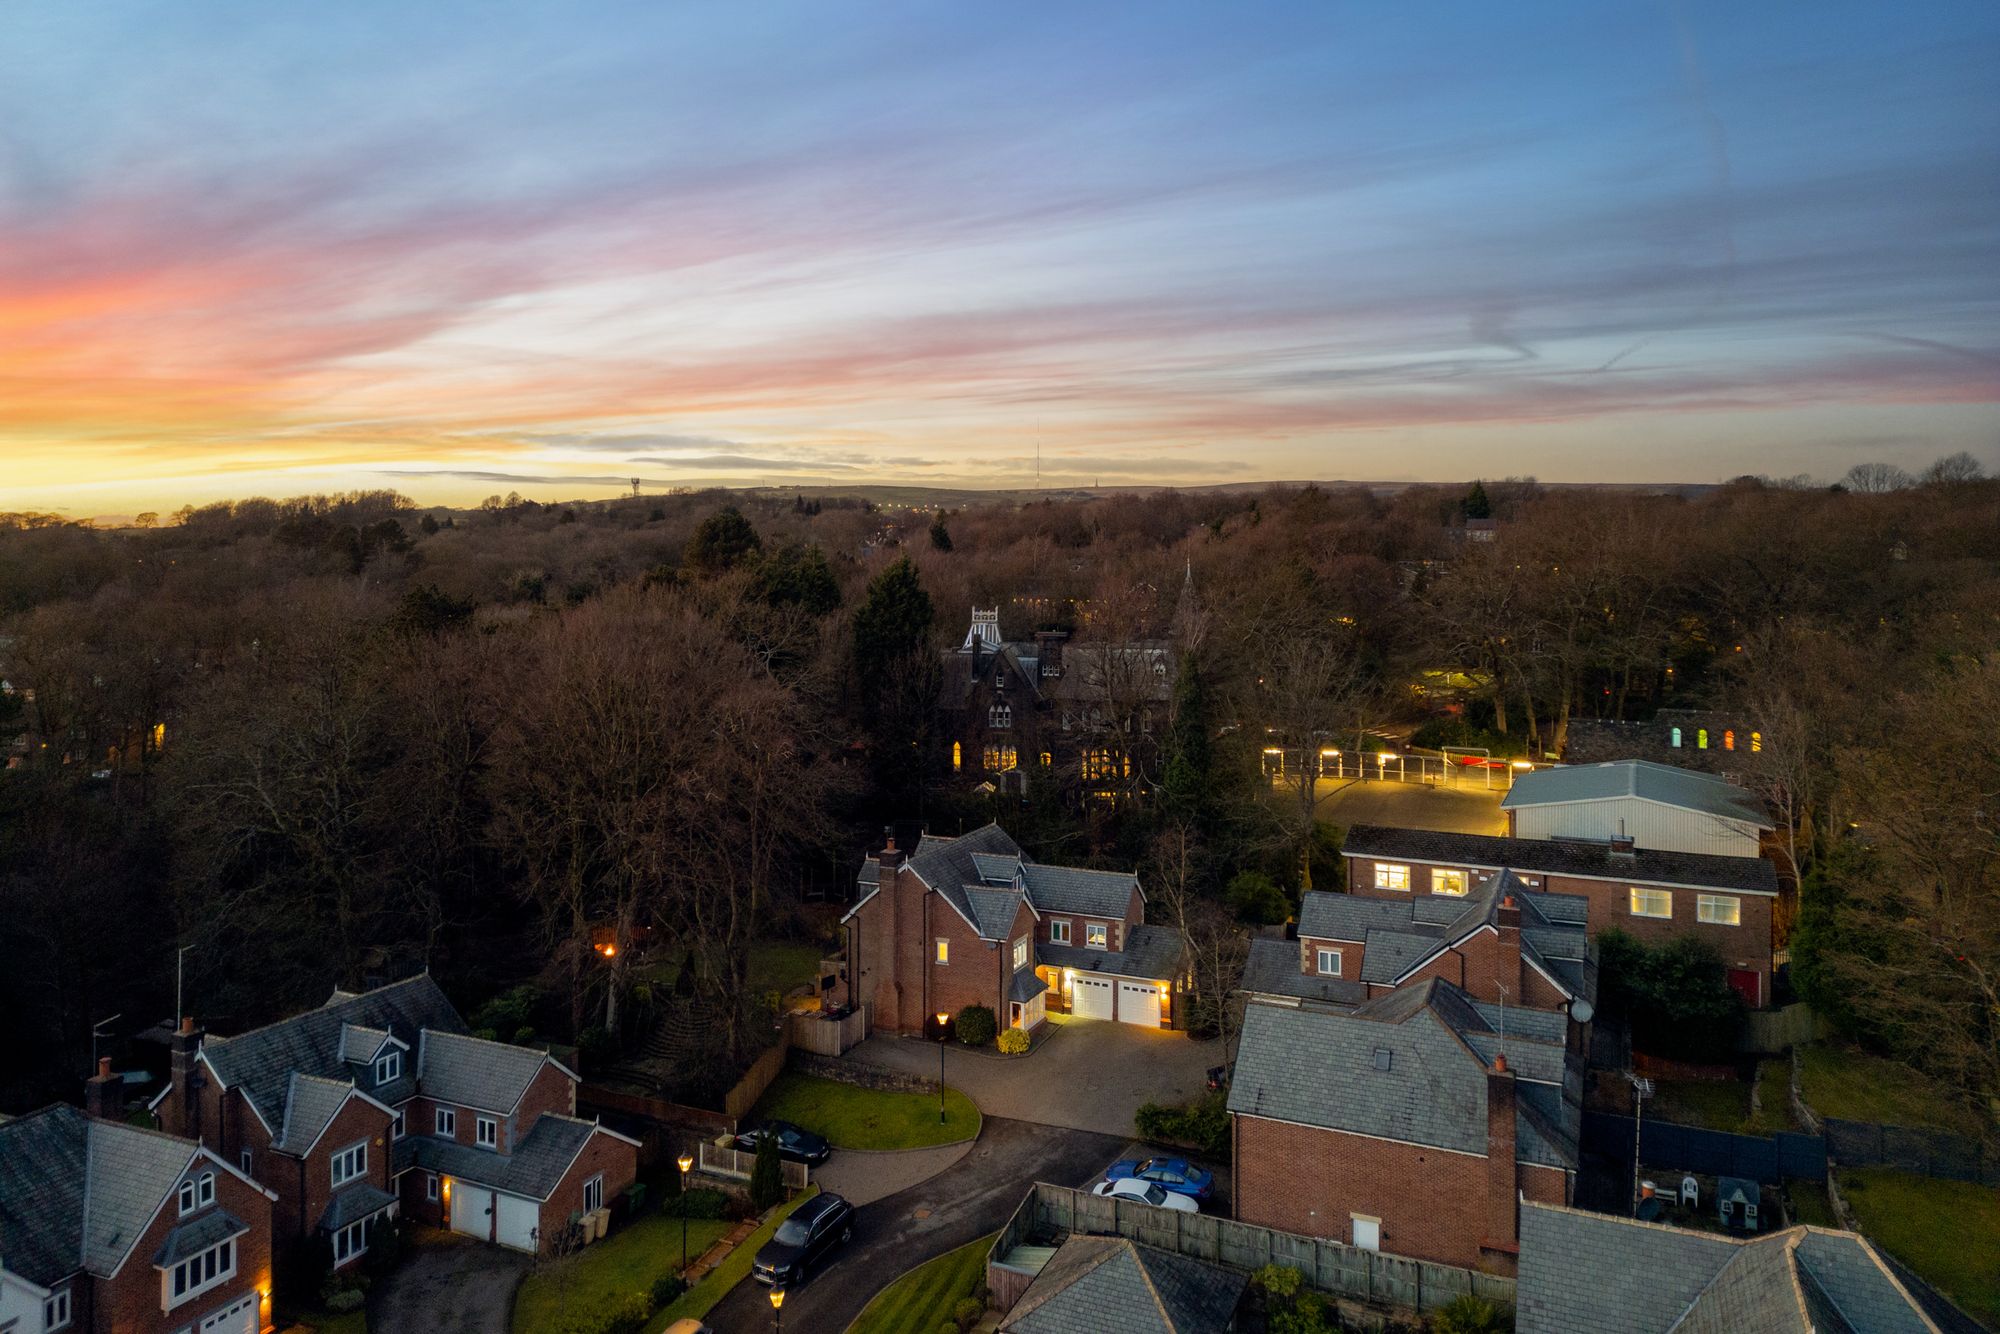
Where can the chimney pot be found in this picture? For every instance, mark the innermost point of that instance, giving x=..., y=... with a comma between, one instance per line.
x=1500, y=1063
x=104, y=1067
x=187, y=1023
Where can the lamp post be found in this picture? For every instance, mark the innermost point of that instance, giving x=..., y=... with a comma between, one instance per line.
x=944, y=1034
x=685, y=1163
x=778, y=1308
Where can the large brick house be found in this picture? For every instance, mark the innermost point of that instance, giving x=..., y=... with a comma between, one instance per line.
x=973, y=920
x=1648, y=893
x=1501, y=943
x=1653, y=806
x=1089, y=713
x=380, y=1103
x=114, y=1229
x=1412, y=1124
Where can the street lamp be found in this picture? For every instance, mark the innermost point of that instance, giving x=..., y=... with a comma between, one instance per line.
x=943, y=1034
x=686, y=1162
x=777, y=1308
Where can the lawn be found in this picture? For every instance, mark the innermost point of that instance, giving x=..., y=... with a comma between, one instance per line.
x=921, y=1300
x=1809, y=1204
x=858, y=1118
x=1774, y=1095
x=1715, y=1104
x=697, y=1301
x=1852, y=1085
x=625, y=1262
x=1930, y=1226
x=780, y=965
x=329, y=1322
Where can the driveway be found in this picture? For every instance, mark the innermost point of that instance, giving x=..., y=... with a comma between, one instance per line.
x=451, y=1285
x=1090, y=1075
x=894, y=1235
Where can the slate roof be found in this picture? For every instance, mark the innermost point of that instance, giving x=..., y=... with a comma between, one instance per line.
x=263, y=1061
x=1400, y=934
x=193, y=1238
x=311, y=1103
x=353, y=1203
x=358, y=1043
x=1151, y=952
x=534, y=1169
x=1645, y=866
x=1273, y=970
x=1025, y=986
x=76, y=1193
x=1322, y=1067
x=474, y=1072
x=1702, y=793
x=946, y=865
x=993, y=910
x=1584, y=1273
x=1111, y=1285
x=1067, y=889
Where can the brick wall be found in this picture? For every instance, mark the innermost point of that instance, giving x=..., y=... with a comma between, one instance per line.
x=358, y=1121
x=549, y=1091
x=129, y=1301
x=1351, y=956
x=617, y=1160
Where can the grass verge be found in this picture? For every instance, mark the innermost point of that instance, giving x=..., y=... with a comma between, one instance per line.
x=858, y=1118
x=329, y=1322
x=699, y=1300
x=921, y=1300
x=1714, y=1104
x=596, y=1277
x=1926, y=1223
x=1853, y=1085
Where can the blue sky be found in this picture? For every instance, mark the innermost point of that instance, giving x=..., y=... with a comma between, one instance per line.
x=254, y=248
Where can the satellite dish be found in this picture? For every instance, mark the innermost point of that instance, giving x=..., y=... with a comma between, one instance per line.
x=1581, y=1010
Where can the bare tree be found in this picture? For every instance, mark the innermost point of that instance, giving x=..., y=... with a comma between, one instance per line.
x=1876, y=478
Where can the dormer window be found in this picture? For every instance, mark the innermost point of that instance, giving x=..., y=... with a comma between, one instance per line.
x=388, y=1066
x=487, y=1132
x=197, y=1192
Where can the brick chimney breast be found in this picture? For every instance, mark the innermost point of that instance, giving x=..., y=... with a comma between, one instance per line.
x=103, y=1093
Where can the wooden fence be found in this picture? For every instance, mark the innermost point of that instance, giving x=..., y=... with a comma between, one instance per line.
x=1770, y=1031
x=813, y=1032
x=718, y=1161
x=1372, y=1278
x=736, y=1104
x=595, y=1097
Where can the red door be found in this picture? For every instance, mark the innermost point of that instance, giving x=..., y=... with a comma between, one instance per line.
x=1749, y=984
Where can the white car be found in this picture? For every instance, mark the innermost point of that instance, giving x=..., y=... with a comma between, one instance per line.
x=1145, y=1192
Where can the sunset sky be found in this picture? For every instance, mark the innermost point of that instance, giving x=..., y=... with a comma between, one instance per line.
x=460, y=249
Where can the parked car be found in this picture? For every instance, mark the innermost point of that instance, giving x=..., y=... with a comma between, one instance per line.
x=814, y=1229
x=687, y=1326
x=800, y=1146
x=1176, y=1174
x=1131, y=1188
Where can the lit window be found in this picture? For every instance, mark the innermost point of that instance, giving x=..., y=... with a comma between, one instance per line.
x=1756, y=742
x=486, y=1132
x=1719, y=909
x=199, y=1273
x=957, y=756
x=1729, y=739
x=447, y=1122
x=1701, y=738
x=388, y=1066
x=55, y=1311
x=1328, y=962
x=1048, y=760
x=943, y=951
x=1096, y=936
x=350, y=1163
x=1021, y=952
x=1675, y=742
x=1389, y=876
x=1652, y=903
x=1453, y=884
x=1059, y=930
x=999, y=759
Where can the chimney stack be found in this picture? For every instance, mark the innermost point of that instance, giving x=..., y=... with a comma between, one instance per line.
x=1503, y=1221
x=103, y=1093
x=890, y=857
x=182, y=1108
x=1623, y=847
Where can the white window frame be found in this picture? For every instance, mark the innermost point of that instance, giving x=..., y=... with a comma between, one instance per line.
x=1059, y=930
x=431, y=1187
x=486, y=1132
x=243, y=1160
x=595, y=1184
x=1442, y=876
x=354, y=1237
x=1707, y=906
x=388, y=1066
x=56, y=1311
x=1641, y=894
x=185, y=1199
x=1388, y=873
x=941, y=952
x=355, y=1159
x=199, y=1273
x=445, y=1124
x=1097, y=935
x=204, y=1190
x=1020, y=951
x=398, y=1126
x=1321, y=955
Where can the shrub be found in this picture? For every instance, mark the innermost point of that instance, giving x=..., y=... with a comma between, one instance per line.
x=597, y=1045
x=976, y=1026
x=966, y=1312
x=1202, y=1124
x=1470, y=1315
x=736, y=1208
x=1013, y=1042
x=1254, y=897
x=1308, y=1315
x=767, y=1177
x=700, y=1202
x=628, y=1315
x=1278, y=1280
x=666, y=1288
x=343, y=1300
x=1676, y=995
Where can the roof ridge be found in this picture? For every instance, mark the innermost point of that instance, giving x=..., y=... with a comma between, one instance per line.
x=474, y=1037
x=351, y=998
x=1152, y=1288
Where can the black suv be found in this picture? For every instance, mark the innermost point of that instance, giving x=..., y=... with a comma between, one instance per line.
x=794, y=1144
x=804, y=1239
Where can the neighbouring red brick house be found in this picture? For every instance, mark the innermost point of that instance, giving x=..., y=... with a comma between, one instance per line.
x=381, y=1103
x=1412, y=1124
x=973, y=921
x=1651, y=894
x=115, y=1229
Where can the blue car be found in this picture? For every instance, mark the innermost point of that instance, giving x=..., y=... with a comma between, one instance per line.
x=1175, y=1174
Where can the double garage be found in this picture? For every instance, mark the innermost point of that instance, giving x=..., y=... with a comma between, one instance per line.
x=1119, y=998
x=493, y=1215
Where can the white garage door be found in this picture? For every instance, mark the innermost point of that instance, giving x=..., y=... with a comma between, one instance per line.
x=471, y=1210
x=518, y=1220
x=1139, y=1003
x=1091, y=998
x=238, y=1318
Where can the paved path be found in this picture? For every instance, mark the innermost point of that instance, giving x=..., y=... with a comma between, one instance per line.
x=1093, y=1075
x=451, y=1284
x=976, y=1196
x=862, y=1177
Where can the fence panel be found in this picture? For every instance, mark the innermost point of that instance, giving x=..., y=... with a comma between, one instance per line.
x=1201, y=1237
x=1345, y=1271
x=1440, y=1284
x=1801, y=1157
x=1244, y=1246
x=1931, y=1153
x=718, y=1161
x=1396, y=1280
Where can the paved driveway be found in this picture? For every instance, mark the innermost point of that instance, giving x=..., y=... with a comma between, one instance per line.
x=451, y=1285
x=1091, y=1075
x=961, y=1204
